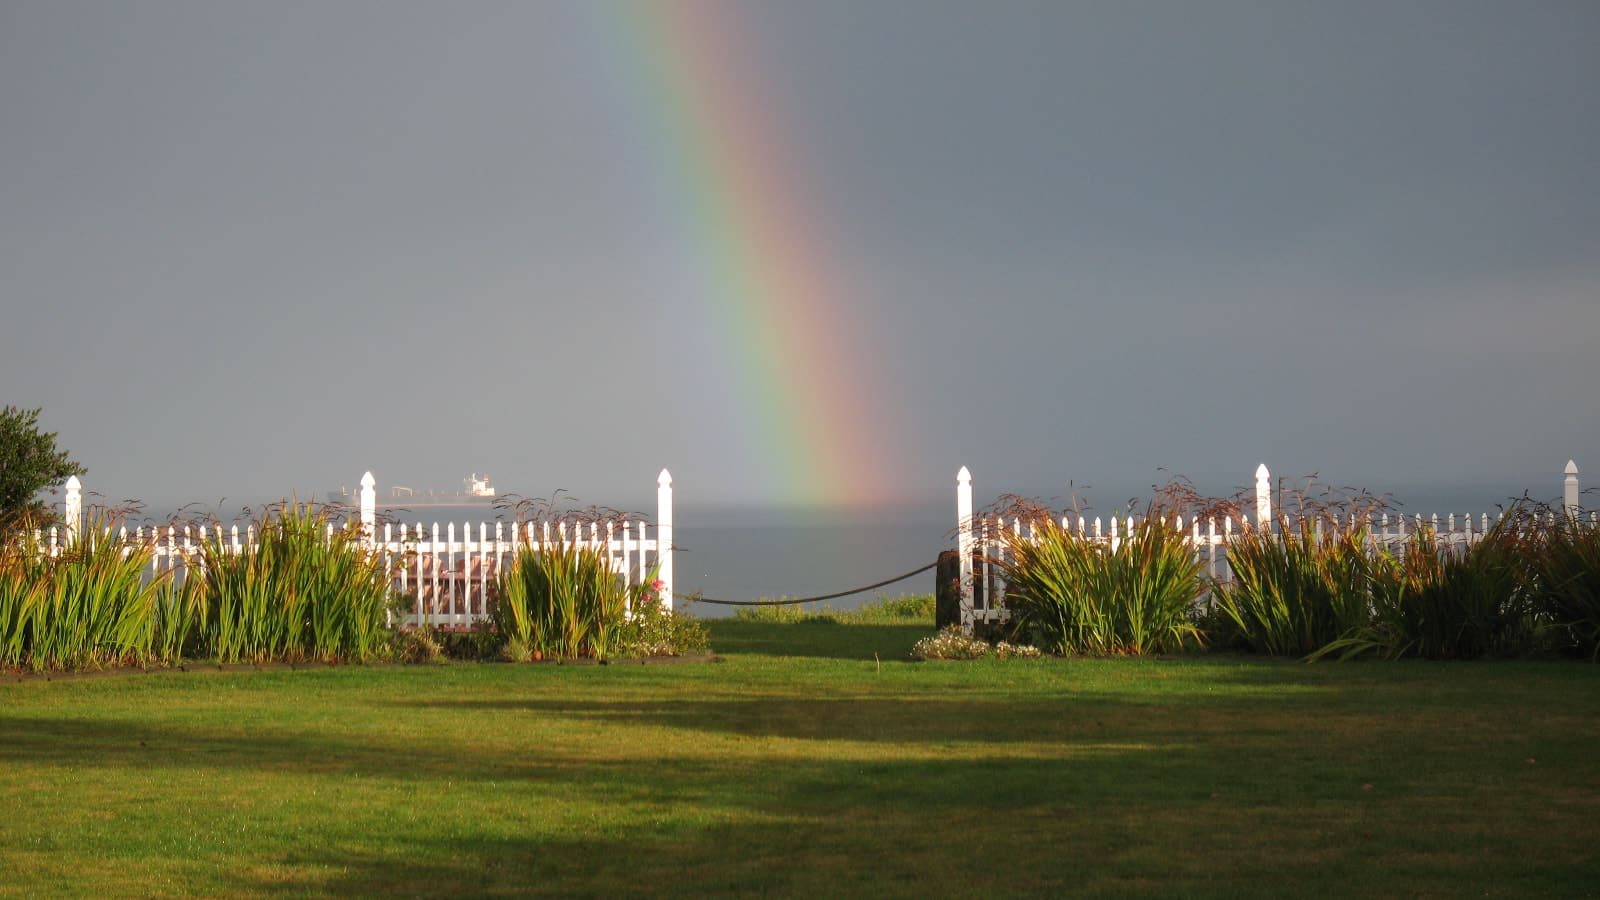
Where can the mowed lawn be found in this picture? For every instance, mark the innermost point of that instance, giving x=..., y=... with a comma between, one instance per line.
x=801, y=765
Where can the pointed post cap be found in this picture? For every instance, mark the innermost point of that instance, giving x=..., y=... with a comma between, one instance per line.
x=73, y=484
x=1572, y=467
x=963, y=475
x=1261, y=472
x=368, y=481
x=664, y=479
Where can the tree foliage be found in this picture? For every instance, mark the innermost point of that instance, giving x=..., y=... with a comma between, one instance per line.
x=29, y=463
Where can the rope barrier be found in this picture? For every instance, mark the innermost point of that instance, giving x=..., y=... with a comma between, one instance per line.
x=791, y=602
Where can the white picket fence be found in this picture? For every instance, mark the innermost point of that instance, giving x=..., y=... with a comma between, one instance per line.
x=449, y=575
x=452, y=579
x=981, y=544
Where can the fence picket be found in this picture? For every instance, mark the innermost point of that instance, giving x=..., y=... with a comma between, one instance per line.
x=433, y=573
x=627, y=553
x=1211, y=546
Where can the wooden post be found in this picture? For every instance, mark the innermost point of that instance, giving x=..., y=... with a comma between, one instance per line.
x=369, y=503
x=964, y=543
x=1569, y=492
x=664, y=536
x=73, y=508
x=1263, y=497
x=947, y=590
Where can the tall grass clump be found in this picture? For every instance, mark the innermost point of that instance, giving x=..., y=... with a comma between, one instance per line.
x=786, y=613
x=909, y=609
x=1296, y=591
x=1071, y=593
x=1337, y=593
x=1565, y=564
x=18, y=585
x=180, y=620
x=306, y=590
x=89, y=605
x=561, y=600
x=1437, y=601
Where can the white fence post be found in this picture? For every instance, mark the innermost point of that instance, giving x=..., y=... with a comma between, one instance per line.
x=1263, y=497
x=964, y=543
x=73, y=504
x=1570, y=490
x=664, y=536
x=369, y=503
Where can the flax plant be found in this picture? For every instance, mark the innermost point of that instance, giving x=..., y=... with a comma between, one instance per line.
x=305, y=590
x=89, y=605
x=1071, y=593
x=23, y=581
x=180, y=619
x=1437, y=601
x=1565, y=563
x=561, y=600
x=1296, y=591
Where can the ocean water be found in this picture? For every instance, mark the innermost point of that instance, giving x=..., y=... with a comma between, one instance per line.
x=752, y=554
x=746, y=554
x=787, y=556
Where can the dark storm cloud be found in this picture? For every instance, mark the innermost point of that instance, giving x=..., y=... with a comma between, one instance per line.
x=245, y=248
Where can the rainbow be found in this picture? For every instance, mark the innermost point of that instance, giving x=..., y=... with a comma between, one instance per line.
x=776, y=294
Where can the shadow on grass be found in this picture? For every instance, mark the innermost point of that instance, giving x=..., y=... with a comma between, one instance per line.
x=857, y=851
x=401, y=745
x=1123, y=821
x=862, y=719
x=443, y=735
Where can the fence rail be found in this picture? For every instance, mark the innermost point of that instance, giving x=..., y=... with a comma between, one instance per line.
x=983, y=551
x=450, y=576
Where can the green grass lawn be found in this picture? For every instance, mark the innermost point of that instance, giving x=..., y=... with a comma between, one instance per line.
x=800, y=765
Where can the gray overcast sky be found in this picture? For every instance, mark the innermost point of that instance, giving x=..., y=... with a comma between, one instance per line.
x=248, y=248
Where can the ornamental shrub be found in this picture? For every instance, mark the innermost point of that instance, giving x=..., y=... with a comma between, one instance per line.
x=305, y=590
x=654, y=631
x=1072, y=593
x=89, y=605
x=562, y=600
x=1565, y=567
x=1294, y=592
x=1437, y=601
x=953, y=643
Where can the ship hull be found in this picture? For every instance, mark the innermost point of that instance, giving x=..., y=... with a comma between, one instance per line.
x=416, y=501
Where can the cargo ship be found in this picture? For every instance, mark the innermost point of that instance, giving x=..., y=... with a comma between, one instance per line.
x=477, y=491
